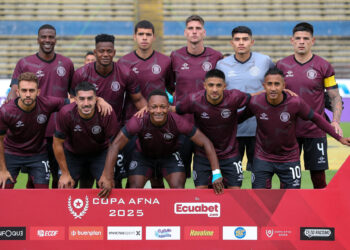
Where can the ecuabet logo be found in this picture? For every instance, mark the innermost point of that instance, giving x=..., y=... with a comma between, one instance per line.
x=210, y=208
x=78, y=207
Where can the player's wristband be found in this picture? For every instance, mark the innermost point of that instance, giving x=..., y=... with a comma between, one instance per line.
x=216, y=175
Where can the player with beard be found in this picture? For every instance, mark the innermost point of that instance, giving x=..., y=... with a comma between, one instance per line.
x=157, y=145
x=54, y=73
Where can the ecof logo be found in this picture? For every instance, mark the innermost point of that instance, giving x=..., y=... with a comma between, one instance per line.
x=19, y=124
x=148, y=136
x=317, y=233
x=206, y=66
x=47, y=233
x=61, y=71
x=185, y=66
x=168, y=136
x=41, y=119
x=136, y=70
x=240, y=232
x=205, y=115
x=311, y=74
x=263, y=116
x=77, y=128
x=209, y=208
x=96, y=129
x=78, y=204
x=156, y=69
x=132, y=165
x=284, y=116
x=225, y=113
x=289, y=74
x=40, y=73
x=254, y=71
x=115, y=86
x=12, y=233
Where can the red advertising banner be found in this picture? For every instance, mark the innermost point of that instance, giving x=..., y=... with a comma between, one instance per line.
x=178, y=219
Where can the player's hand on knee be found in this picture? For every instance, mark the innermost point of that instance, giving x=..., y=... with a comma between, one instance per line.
x=4, y=176
x=66, y=181
x=218, y=186
x=106, y=185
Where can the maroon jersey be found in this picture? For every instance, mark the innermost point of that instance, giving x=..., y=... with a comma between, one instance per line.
x=111, y=87
x=190, y=69
x=25, y=131
x=309, y=80
x=151, y=73
x=84, y=136
x=155, y=141
x=217, y=122
x=54, y=77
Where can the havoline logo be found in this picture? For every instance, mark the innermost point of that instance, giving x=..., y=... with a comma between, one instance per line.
x=12, y=233
x=317, y=233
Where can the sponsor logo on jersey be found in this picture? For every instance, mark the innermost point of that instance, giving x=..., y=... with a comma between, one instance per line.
x=201, y=233
x=12, y=233
x=132, y=165
x=284, y=116
x=163, y=233
x=289, y=74
x=86, y=233
x=321, y=160
x=115, y=86
x=263, y=116
x=168, y=136
x=209, y=208
x=185, y=66
x=225, y=113
x=47, y=233
x=311, y=74
x=148, y=136
x=41, y=119
x=124, y=233
x=77, y=128
x=96, y=129
x=156, y=69
x=240, y=233
x=231, y=73
x=277, y=233
x=136, y=70
x=205, y=115
x=96, y=86
x=78, y=207
x=61, y=71
x=254, y=71
x=19, y=124
x=40, y=73
x=317, y=233
x=206, y=66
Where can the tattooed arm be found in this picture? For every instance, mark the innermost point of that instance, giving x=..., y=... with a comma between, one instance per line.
x=337, y=108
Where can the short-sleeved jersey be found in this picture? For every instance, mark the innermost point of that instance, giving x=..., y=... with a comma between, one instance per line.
x=151, y=73
x=54, y=77
x=247, y=77
x=275, y=137
x=84, y=136
x=25, y=131
x=217, y=122
x=110, y=87
x=155, y=141
x=189, y=70
x=309, y=80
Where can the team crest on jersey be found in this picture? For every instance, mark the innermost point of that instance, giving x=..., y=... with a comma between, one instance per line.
x=206, y=66
x=115, y=86
x=205, y=115
x=168, y=136
x=289, y=74
x=263, y=116
x=132, y=165
x=61, y=71
x=96, y=129
x=156, y=69
x=148, y=136
x=185, y=66
x=78, y=207
x=19, y=124
x=40, y=73
x=41, y=118
x=284, y=116
x=254, y=71
x=136, y=70
x=311, y=74
x=225, y=113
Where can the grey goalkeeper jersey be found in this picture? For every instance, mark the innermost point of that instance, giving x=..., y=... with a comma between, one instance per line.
x=247, y=77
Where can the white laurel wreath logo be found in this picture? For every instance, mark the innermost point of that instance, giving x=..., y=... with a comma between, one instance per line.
x=82, y=213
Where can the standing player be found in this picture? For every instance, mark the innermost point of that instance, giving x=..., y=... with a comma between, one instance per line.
x=309, y=76
x=215, y=113
x=190, y=64
x=23, y=122
x=151, y=70
x=277, y=149
x=54, y=73
x=245, y=71
x=85, y=134
x=157, y=144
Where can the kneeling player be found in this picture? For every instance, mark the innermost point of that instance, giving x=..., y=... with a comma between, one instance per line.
x=157, y=145
x=276, y=149
x=85, y=135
